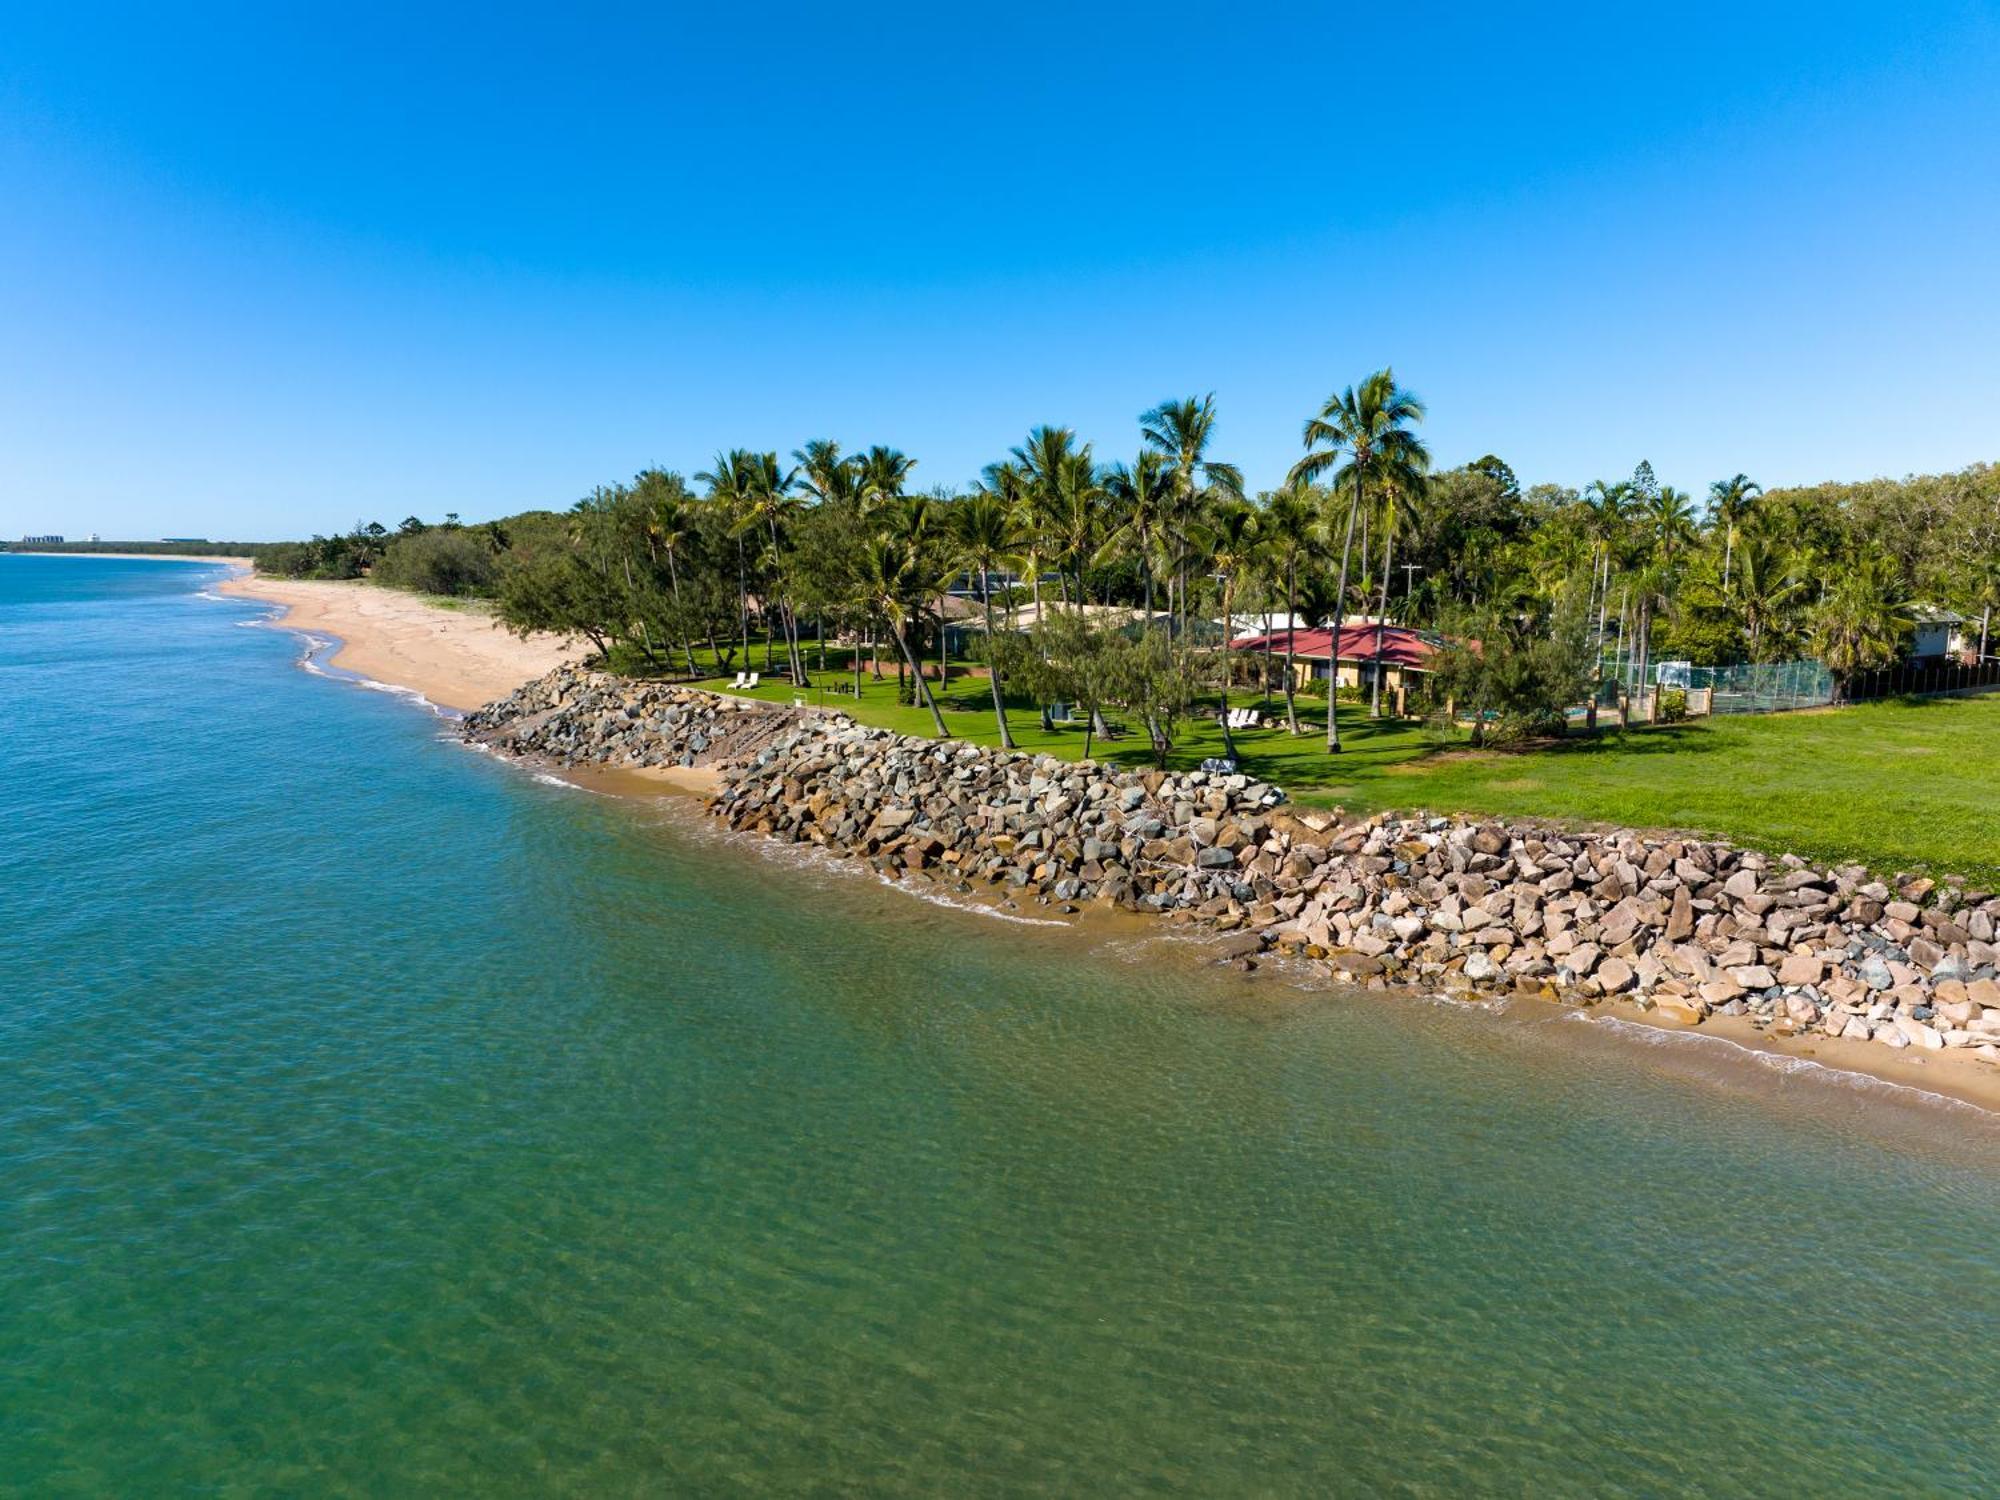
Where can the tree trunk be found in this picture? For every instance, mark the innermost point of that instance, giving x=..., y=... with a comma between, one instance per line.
x=1339, y=612
x=1291, y=643
x=1228, y=739
x=923, y=688
x=1382, y=619
x=993, y=676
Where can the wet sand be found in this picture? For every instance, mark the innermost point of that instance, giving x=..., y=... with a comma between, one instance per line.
x=457, y=657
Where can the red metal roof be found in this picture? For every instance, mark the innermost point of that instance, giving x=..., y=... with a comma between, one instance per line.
x=1401, y=646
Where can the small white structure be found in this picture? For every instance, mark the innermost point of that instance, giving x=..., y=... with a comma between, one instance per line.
x=1939, y=633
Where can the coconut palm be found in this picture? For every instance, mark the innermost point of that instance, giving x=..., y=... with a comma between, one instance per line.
x=1293, y=528
x=670, y=523
x=1399, y=513
x=889, y=578
x=1041, y=464
x=1764, y=585
x=1368, y=427
x=1231, y=534
x=883, y=475
x=1181, y=431
x=1728, y=503
x=769, y=501
x=730, y=483
x=1140, y=497
x=1858, y=625
x=984, y=538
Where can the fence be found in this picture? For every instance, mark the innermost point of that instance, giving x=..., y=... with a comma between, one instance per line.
x=1751, y=687
x=1918, y=679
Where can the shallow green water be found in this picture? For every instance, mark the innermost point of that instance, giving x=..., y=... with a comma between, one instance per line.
x=378, y=1119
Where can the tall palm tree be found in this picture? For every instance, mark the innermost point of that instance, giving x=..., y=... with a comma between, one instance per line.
x=1293, y=528
x=1728, y=503
x=1399, y=513
x=890, y=575
x=984, y=539
x=1181, y=431
x=823, y=473
x=1232, y=551
x=1667, y=520
x=884, y=472
x=1007, y=482
x=1368, y=427
x=1140, y=498
x=1041, y=463
x=670, y=524
x=1079, y=516
x=769, y=501
x=1764, y=586
x=730, y=483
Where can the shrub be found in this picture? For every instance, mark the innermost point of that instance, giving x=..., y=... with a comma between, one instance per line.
x=1673, y=707
x=439, y=562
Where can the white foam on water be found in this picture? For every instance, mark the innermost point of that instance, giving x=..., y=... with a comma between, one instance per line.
x=977, y=908
x=1777, y=1062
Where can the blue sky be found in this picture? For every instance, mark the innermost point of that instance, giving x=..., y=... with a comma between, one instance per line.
x=262, y=275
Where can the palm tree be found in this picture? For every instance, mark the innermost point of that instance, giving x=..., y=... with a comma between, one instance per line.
x=1141, y=497
x=1292, y=527
x=889, y=575
x=769, y=499
x=1079, y=516
x=1728, y=503
x=1369, y=424
x=823, y=473
x=669, y=524
x=1858, y=625
x=883, y=474
x=730, y=483
x=1764, y=584
x=984, y=538
x=1181, y=431
x=1399, y=512
x=1041, y=463
x=1232, y=550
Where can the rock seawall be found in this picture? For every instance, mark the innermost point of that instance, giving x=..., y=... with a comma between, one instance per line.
x=1688, y=927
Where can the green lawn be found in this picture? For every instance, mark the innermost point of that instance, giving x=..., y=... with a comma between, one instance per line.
x=1903, y=785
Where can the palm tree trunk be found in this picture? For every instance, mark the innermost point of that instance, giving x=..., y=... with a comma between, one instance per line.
x=1228, y=739
x=1382, y=618
x=1728, y=555
x=923, y=688
x=1291, y=643
x=1339, y=611
x=743, y=599
x=993, y=676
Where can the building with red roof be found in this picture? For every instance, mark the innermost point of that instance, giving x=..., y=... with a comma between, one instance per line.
x=1404, y=653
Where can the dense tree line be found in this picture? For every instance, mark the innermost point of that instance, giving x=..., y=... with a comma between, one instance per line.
x=760, y=559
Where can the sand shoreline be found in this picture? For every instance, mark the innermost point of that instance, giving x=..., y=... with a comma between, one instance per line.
x=463, y=660
x=459, y=659
x=180, y=557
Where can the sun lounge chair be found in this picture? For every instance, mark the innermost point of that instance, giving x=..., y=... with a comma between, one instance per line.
x=750, y=681
x=737, y=680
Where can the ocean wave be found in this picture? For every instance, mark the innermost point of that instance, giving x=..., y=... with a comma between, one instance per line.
x=1778, y=1062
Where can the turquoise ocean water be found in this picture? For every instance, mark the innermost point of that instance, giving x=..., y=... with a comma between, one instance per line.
x=378, y=1119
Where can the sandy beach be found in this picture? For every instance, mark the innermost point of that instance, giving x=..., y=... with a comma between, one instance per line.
x=458, y=658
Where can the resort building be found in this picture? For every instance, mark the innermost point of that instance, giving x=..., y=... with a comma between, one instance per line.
x=1405, y=654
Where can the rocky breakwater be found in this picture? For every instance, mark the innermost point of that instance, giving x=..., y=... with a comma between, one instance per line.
x=1687, y=928
x=573, y=717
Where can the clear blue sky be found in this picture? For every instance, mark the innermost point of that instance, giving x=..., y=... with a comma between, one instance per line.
x=265, y=275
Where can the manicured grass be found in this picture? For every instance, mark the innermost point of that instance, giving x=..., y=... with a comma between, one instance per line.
x=1901, y=785
x=1911, y=784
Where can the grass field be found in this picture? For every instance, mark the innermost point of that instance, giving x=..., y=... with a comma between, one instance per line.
x=1901, y=785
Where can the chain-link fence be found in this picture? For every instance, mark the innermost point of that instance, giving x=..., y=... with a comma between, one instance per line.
x=1752, y=687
